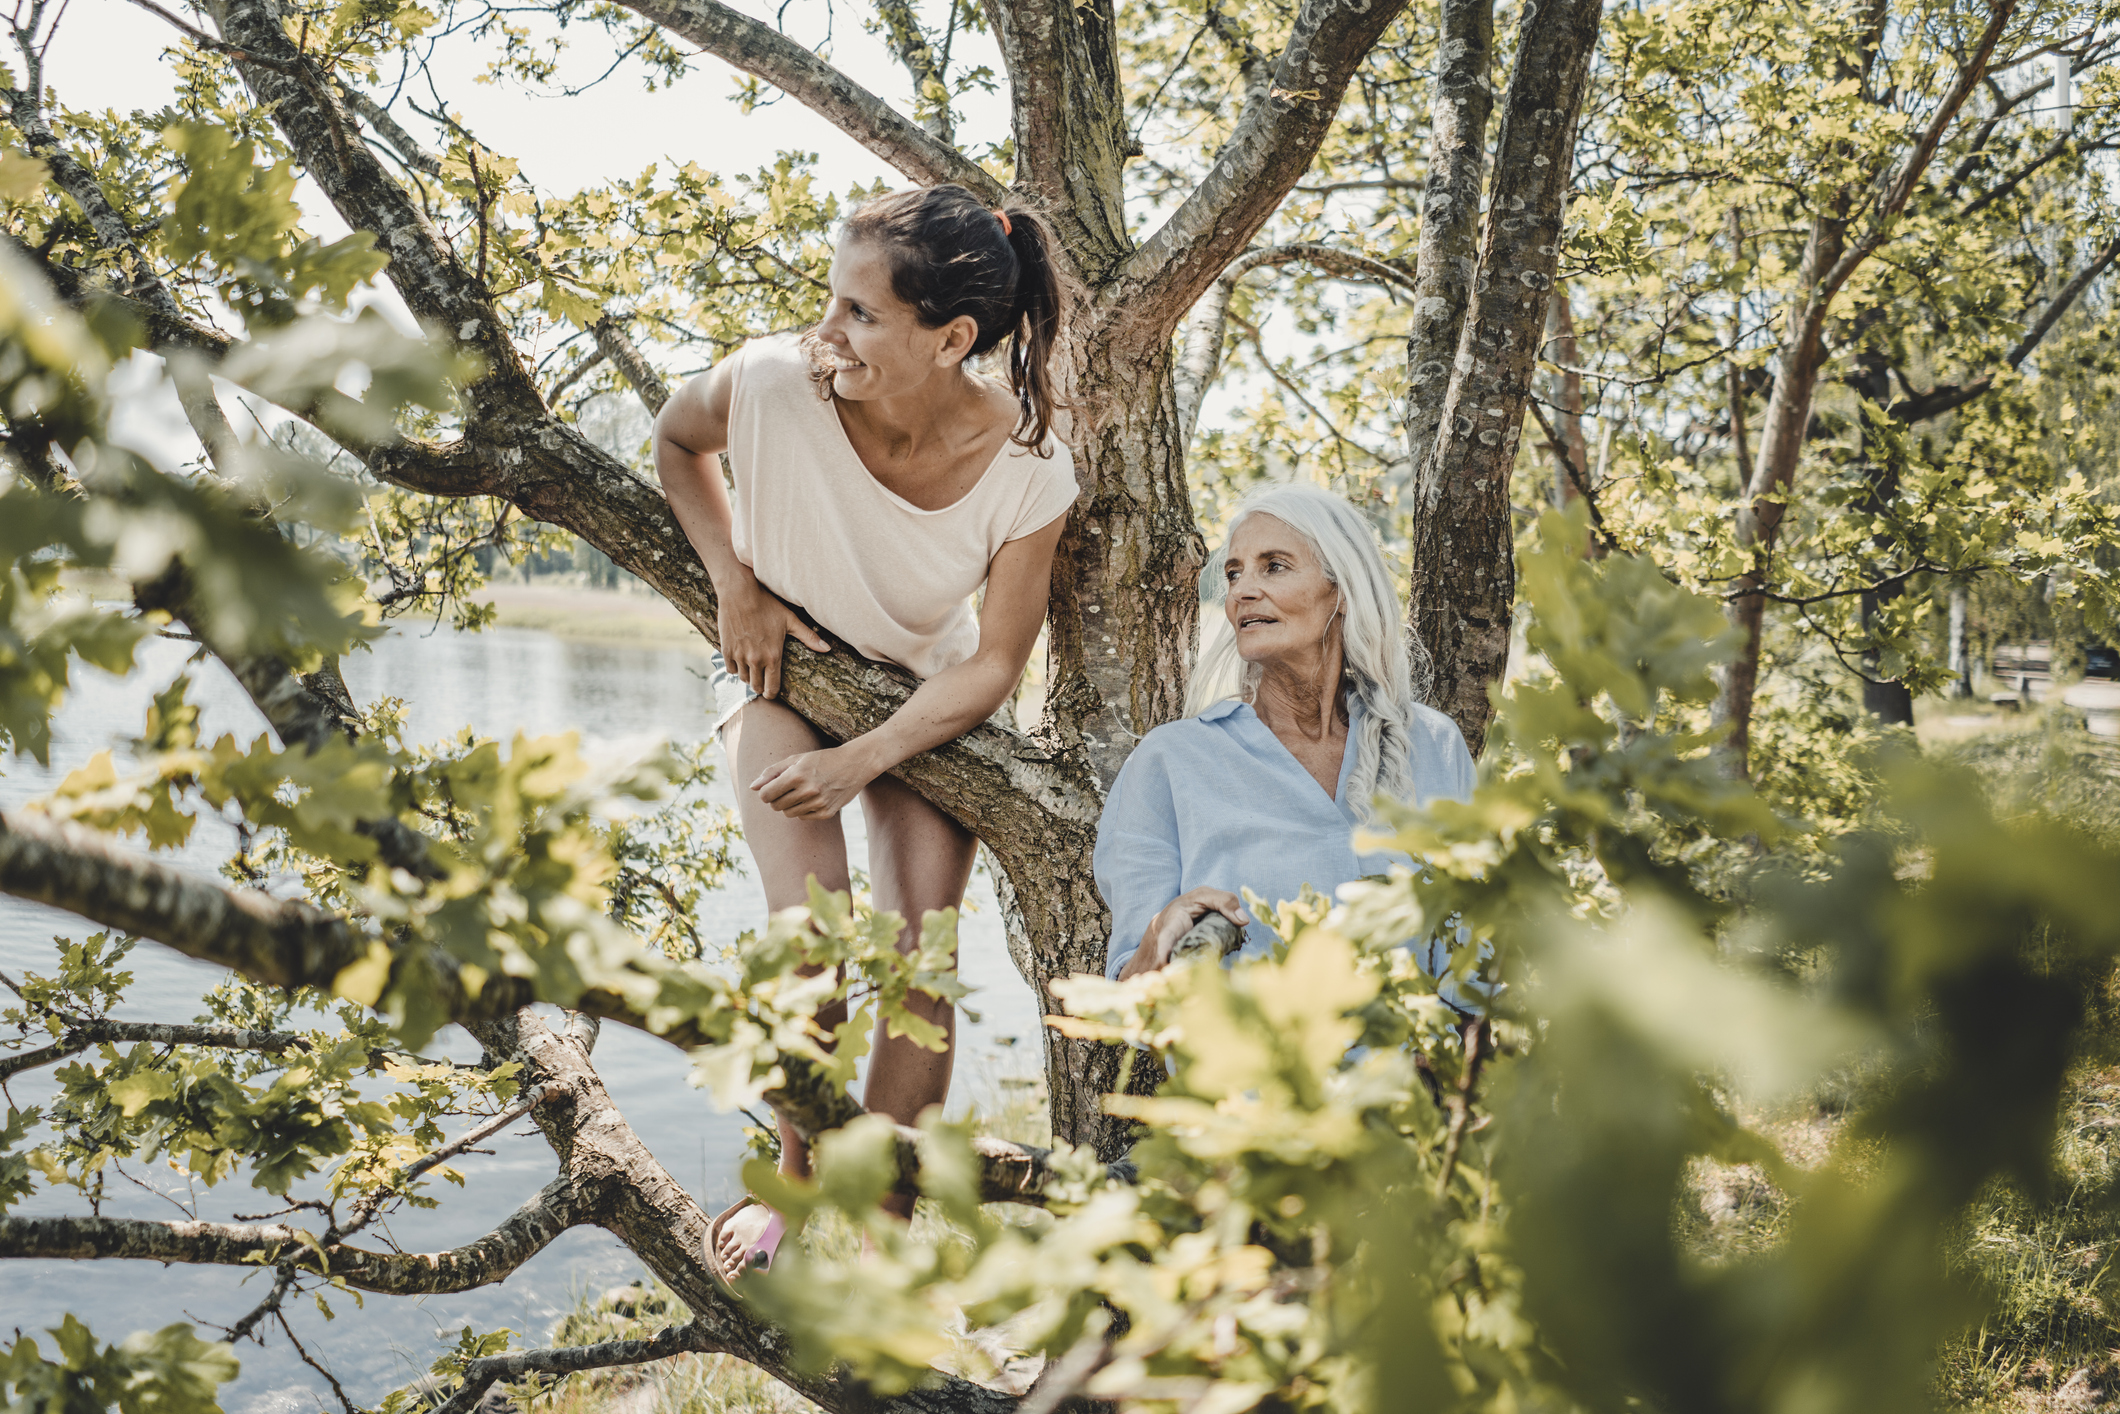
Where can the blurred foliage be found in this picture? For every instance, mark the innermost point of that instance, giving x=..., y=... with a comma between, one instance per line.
x=1351, y=1195
x=169, y=1371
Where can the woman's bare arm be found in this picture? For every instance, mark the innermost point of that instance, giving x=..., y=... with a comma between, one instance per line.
x=818, y=784
x=691, y=431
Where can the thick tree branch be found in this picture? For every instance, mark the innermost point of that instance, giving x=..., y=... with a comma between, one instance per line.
x=626, y=1191
x=441, y=293
x=1068, y=118
x=762, y=51
x=1200, y=359
x=527, y=1232
x=1272, y=146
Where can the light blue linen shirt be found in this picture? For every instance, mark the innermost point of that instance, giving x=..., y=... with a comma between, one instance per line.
x=1216, y=801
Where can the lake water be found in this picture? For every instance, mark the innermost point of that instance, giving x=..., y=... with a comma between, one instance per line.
x=497, y=682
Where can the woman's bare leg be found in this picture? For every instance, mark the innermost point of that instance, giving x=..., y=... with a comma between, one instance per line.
x=919, y=863
x=787, y=852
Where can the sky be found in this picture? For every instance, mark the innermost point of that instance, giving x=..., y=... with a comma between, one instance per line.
x=108, y=55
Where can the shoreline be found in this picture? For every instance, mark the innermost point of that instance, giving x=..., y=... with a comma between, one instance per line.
x=585, y=614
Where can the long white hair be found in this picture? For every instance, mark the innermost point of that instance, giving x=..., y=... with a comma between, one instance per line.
x=1383, y=664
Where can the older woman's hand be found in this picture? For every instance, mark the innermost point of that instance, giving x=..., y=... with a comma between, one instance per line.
x=1175, y=921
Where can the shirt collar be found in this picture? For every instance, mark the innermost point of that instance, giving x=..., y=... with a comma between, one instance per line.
x=1228, y=705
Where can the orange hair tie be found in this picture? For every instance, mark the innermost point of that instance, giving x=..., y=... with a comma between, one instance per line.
x=1002, y=217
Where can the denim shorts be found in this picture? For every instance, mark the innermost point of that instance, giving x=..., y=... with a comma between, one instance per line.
x=730, y=693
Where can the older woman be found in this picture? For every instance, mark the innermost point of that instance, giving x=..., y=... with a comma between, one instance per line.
x=1302, y=712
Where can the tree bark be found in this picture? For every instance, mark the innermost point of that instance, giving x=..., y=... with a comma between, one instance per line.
x=1462, y=551
x=492, y=1258
x=1449, y=247
x=1571, y=474
x=1961, y=657
x=1069, y=121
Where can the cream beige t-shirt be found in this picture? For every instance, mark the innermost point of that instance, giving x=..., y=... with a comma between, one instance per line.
x=878, y=573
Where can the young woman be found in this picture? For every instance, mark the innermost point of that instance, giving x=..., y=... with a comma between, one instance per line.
x=879, y=482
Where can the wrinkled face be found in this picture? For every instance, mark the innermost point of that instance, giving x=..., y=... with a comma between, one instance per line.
x=872, y=340
x=1279, y=601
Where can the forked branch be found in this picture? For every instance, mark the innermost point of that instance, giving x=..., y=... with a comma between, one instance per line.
x=1271, y=148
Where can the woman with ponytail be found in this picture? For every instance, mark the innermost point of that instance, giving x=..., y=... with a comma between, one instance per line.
x=1304, y=708
x=879, y=483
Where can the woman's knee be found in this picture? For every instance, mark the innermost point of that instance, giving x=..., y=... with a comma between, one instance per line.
x=919, y=858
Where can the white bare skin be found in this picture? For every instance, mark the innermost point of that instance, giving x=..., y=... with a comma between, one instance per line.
x=1286, y=614
x=927, y=428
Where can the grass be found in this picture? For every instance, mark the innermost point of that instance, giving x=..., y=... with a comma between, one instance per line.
x=2049, y=1341
x=2050, y=1262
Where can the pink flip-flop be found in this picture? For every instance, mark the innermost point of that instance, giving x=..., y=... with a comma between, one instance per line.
x=758, y=1257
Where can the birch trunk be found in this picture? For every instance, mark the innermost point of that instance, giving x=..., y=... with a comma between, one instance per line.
x=1463, y=552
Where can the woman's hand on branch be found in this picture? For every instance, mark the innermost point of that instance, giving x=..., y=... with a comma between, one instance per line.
x=815, y=785
x=755, y=626
x=1175, y=921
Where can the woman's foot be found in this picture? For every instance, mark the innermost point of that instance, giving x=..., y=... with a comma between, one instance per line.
x=744, y=1239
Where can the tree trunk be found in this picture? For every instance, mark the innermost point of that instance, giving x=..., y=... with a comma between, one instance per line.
x=1449, y=247
x=1463, y=551
x=1961, y=659
x=1886, y=699
x=1571, y=470
x=1781, y=439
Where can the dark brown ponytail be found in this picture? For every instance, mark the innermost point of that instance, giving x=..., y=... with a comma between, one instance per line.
x=954, y=257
